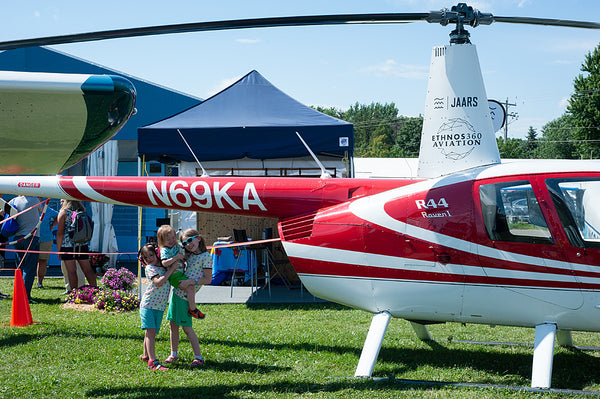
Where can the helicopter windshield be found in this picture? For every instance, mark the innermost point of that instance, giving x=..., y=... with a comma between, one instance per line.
x=579, y=214
x=511, y=213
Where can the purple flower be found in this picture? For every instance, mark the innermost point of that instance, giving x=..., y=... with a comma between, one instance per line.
x=121, y=279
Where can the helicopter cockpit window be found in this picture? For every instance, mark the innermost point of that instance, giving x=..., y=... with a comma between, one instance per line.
x=511, y=213
x=576, y=202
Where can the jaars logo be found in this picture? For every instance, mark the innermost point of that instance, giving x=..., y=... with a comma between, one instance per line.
x=200, y=194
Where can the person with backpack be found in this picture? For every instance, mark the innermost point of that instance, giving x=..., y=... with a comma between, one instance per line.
x=74, y=226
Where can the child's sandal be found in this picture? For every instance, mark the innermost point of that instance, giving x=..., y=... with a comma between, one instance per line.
x=197, y=363
x=171, y=359
x=155, y=365
x=196, y=313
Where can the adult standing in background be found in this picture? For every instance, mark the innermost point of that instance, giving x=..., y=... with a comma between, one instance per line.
x=45, y=244
x=63, y=240
x=27, y=221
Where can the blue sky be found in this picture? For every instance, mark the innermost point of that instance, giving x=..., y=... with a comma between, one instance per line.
x=532, y=66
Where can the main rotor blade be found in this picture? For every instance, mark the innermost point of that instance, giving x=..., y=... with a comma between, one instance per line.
x=218, y=25
x=549, y=22
x=444, y=17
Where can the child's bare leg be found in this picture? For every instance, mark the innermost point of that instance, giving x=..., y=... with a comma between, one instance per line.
x=184, y=284
x=190, y=292
x=149, y=340
x=144, y=345
x=193, y=338
x=174, y=336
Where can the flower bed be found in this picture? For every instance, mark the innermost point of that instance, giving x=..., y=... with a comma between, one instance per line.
x=115, y=296
x=121, y=279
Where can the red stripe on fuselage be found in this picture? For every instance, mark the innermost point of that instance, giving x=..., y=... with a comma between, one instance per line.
x=66, y=183
x=323, y=268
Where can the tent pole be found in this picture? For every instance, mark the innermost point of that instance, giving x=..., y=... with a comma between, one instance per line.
x=139, y=237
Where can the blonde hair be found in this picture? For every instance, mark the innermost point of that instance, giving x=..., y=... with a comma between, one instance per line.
x=162, y=233
x=72, y=205
x=191, y=233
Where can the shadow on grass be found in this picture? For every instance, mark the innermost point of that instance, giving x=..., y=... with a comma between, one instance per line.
x=23, y=337
x=573, y=369
x=242, y=390
x=296, y=306
x=46, y=301
x=297, y=346
x=230, y=367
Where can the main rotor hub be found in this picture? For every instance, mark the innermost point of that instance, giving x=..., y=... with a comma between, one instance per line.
x=461, y=14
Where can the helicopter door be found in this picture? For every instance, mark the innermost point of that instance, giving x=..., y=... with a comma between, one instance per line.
x=576, y=203
x=518, y=252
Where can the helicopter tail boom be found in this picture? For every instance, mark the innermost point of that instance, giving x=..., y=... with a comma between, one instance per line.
x=249, y=196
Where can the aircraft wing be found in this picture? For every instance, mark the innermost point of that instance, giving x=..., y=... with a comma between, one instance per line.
x=50, y=121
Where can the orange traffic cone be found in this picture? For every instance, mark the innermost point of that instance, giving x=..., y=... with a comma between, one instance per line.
x=21, y=313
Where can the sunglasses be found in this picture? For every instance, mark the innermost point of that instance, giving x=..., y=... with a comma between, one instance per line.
x=188, y=240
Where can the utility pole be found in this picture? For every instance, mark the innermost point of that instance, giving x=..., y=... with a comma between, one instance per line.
x=508, y=114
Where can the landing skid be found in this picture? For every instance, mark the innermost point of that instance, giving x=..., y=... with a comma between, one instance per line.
x=543, y=349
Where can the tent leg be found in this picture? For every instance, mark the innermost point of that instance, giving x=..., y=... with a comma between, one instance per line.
x=372, y=345
x=543, y=353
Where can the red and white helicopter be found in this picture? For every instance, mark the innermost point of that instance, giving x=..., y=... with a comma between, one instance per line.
x=470, y=240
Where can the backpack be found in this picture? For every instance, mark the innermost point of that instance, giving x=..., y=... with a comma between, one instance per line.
x=81, y=228
x=9, y=227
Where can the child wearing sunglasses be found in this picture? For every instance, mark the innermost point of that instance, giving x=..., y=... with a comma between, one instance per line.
x=172, y=253
x=199, y=268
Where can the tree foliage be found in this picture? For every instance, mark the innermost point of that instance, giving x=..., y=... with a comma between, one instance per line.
x=408, y=138
x=378, y=130
x=531, y=143
x=373, y=131
x=557, y=140
x=512, y=148
x=584, y=105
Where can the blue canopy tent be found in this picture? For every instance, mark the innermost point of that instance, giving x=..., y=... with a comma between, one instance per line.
x=249, y=119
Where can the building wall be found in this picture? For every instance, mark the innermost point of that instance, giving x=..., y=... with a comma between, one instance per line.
x=153, y=103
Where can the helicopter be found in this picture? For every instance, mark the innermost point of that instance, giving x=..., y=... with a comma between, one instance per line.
x=470, y=239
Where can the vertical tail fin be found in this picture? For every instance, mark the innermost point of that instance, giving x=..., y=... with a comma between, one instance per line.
x=457, y=127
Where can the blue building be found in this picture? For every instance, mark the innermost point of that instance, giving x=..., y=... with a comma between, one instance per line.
x=153, y=104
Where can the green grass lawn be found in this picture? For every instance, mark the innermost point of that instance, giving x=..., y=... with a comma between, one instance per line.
x=265, y=351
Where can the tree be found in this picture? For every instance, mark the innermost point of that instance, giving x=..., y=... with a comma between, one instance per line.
x=531, y=143
x=512, y=148
x=557, y=139
x=408, y=138
x=373, y=128
x=584, y=105
x=378, y=131
x=331, y=111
